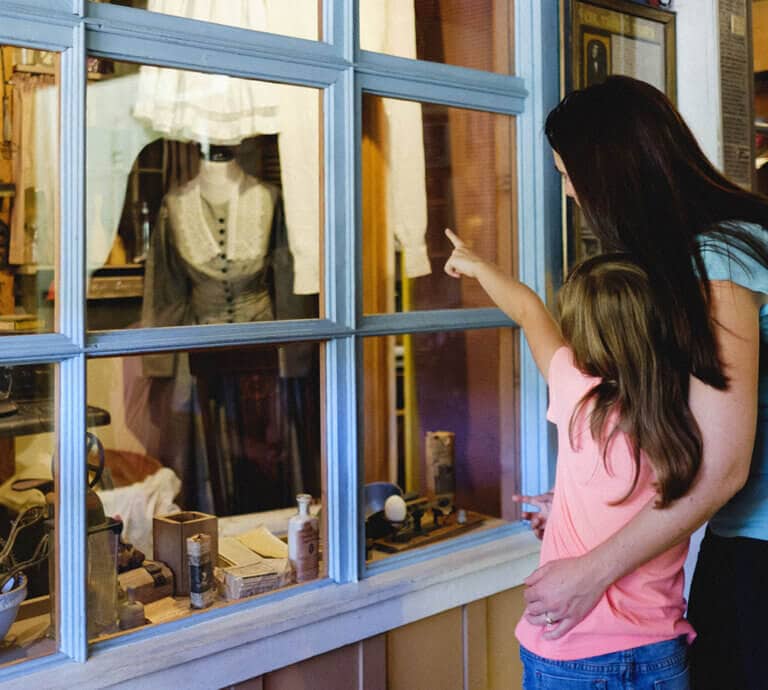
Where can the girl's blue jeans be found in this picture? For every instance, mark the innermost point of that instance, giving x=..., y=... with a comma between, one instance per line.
x=658, y=666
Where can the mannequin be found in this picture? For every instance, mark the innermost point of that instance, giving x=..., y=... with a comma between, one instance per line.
x=211, y=260
x=219, y=172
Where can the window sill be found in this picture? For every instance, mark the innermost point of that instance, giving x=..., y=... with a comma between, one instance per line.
x=234, y=644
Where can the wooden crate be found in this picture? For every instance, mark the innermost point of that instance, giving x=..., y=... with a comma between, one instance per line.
x=149, y=582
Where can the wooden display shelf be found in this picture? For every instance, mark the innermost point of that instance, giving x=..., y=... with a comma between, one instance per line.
x=409, y=539
x=51, y=71
x=117, y=282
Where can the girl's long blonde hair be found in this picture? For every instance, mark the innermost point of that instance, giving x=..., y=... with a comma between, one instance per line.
x=609, y=318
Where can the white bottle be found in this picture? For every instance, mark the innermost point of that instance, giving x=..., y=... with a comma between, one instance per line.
x=304, y=541
x=142, y=240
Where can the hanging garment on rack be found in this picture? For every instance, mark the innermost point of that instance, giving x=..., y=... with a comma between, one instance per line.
x=36, y=134
x=209, y=108
x=390, y=27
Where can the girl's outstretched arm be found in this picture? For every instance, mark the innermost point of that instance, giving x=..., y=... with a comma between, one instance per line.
x=514, y=298
x=568, y=589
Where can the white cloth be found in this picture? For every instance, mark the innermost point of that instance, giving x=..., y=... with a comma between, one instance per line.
x=209, y=108
x=116, y=137
x=388, y=27
x=138, y=503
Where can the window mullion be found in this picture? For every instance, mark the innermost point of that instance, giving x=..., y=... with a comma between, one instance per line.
x=539, y=222
x=344, y=530
x=69, y=469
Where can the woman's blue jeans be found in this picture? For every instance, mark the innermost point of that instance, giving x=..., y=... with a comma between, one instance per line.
x=658, y=666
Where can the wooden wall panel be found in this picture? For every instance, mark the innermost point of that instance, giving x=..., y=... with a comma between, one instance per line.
x=374, y=662
x=504, y=668
x=467, y=648
x=476, y=645
x=378, y=294
x=427, y=654
x=336, y=670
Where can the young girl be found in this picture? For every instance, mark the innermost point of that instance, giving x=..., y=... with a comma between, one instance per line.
x=618, y=395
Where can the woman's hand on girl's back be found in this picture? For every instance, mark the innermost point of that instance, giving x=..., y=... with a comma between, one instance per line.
x=563, y=591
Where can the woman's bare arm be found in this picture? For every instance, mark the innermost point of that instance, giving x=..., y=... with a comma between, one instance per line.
x=568, y=589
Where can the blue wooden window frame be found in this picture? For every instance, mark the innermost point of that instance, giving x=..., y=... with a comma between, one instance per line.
x=343, y=72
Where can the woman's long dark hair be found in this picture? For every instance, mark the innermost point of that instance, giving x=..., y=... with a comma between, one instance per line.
x=609, y=318
x=645, y=187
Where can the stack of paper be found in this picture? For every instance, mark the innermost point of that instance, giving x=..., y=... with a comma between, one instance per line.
x=246, y=580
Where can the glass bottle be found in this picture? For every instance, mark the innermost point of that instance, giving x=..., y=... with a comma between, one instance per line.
x=304, y=541
x=142, y=239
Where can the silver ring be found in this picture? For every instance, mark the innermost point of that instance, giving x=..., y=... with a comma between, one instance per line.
x=548, y=618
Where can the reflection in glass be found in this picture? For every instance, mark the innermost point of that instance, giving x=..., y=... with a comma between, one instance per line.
x=29, y=187
x=466, y=33
x=439, y=429
x=27, y=527
x=203, y=199
x=298, y=18
x=427, y=167
x=220, y=447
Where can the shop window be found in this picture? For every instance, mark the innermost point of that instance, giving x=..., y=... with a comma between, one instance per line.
x=298, y=18
x=221, y=447
x=203, y=198
x=27, y=520
x=466, y=33
x=29, y=189
x=439, y=431
x=425, y=168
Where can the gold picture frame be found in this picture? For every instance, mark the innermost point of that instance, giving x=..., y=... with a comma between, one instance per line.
x=604, y=37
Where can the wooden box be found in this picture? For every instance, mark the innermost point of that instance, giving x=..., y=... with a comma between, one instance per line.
x=149, y=582
x=170, y=533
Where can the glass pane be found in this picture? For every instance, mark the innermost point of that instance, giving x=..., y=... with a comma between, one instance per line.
x=427, y=167
x=203, y=199
x=29, y=188
x=297, y=18
x=27, y=528
x=221, y=447
x=440, y=431
x=466, y=33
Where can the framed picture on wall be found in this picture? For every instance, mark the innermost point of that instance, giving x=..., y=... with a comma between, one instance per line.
x=604, y=37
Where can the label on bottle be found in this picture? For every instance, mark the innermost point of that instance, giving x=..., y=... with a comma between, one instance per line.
x=202, y=591
x=306, y=561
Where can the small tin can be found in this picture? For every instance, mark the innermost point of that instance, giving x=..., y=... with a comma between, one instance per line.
x=202, y=589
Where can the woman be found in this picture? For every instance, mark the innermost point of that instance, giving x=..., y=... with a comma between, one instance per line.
x=626, y=435
x=645, y=187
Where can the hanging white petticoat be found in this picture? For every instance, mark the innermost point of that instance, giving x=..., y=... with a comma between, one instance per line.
x=212, y=108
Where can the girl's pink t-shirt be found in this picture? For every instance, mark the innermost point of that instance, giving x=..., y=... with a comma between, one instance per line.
x=641, y=608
